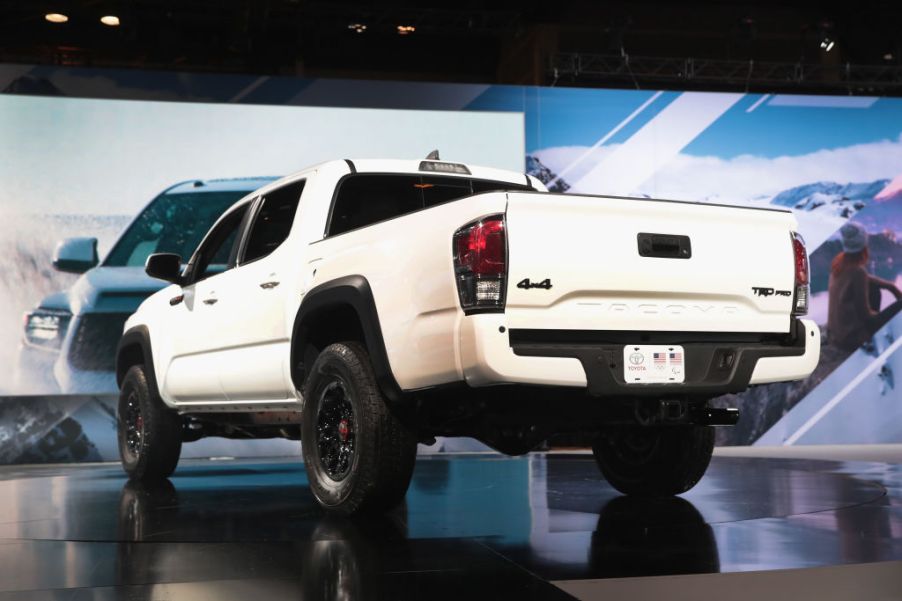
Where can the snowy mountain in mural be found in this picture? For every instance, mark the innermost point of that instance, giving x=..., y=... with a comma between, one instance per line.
x=822, y=207
x=831, y=198
x=811, y=196
x=824, y=203
x=537, y=169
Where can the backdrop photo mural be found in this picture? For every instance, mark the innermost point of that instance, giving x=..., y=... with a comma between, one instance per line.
x=141, y=176
x=77, y=160
x=834, y=161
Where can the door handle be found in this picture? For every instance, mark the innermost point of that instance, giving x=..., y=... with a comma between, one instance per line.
x=269, y=285
x=211, y=301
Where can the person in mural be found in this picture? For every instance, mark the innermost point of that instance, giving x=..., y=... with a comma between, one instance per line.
x=854, y=294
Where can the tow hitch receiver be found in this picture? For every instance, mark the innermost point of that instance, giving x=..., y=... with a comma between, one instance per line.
x=715, y=416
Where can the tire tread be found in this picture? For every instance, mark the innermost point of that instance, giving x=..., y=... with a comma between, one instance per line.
x=385, y=468
x=162, y=443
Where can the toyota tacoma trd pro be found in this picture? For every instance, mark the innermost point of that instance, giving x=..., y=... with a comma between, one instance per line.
x=365, y=306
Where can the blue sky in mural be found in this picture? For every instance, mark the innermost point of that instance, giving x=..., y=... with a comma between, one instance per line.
x=793, y=129
x=782, y=125
x=566, y=116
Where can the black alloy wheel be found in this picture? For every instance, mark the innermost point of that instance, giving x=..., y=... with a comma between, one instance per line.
x=335, y=430
x=358, y=455
x=149, y=432
x=134, y=424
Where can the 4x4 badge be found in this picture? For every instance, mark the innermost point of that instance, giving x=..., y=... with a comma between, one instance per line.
x=526, y=284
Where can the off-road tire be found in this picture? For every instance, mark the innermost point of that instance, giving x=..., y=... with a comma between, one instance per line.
x=160, y=443
x=654, y=461
x=376, y=477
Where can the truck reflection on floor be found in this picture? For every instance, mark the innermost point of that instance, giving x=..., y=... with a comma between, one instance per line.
x=472, y=527
x=332, y=558
x=643, y=537
x=341, y=558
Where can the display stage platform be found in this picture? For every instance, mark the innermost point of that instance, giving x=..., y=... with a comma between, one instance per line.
x=543, y=526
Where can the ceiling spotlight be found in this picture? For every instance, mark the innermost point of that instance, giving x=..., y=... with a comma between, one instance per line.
x=56, y=17
x=110, y=20
x=357, y=27
x=406, y=29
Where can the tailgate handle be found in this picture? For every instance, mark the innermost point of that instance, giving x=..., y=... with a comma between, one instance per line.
x=664, y=246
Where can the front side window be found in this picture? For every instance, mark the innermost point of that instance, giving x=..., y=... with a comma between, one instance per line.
x=273, y=221
x=218, y=251
x=365, y=199
x=172, y=223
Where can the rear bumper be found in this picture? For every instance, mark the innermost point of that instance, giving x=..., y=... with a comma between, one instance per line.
x=491, y=354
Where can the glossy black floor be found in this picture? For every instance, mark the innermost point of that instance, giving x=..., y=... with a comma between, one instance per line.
x=473, y=527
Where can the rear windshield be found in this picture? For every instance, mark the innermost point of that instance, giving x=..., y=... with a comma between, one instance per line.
x=172, y=223
x=365, y=199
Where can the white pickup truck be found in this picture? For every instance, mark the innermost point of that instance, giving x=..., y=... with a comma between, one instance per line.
x=363, y=306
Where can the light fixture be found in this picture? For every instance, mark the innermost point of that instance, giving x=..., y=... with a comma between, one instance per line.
x=357, y=27
x=825, y=29
x=888, y=56
x=56, y=17
x=406, y=29
x=110, y=20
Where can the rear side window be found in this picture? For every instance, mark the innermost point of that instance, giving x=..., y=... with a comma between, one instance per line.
x=272, y=224
x=365, y=199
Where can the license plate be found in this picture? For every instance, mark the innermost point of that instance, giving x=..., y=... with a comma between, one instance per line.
x=653, y=364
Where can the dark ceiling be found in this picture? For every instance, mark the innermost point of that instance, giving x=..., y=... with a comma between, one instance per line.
x=696, y=44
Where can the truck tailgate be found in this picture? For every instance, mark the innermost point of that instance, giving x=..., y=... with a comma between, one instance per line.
x=588, y=250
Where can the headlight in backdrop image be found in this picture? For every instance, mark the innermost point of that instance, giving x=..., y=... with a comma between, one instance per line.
x=46, y=328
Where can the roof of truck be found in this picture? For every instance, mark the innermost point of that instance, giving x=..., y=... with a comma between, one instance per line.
x=233, y=184
x=389, y=166
x=419, y=166
x=410, y=166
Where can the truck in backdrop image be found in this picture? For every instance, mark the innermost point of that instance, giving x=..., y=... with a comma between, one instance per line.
x=68, y=341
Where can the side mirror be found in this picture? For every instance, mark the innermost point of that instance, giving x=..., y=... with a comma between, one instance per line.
x=75, y=255
x=164, y=266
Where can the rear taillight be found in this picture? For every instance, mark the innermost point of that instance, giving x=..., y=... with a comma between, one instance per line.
x=480, y=264
x=800, y=258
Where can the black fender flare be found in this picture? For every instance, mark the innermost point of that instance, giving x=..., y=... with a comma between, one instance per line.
x=354, y=291
x=135, y=336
